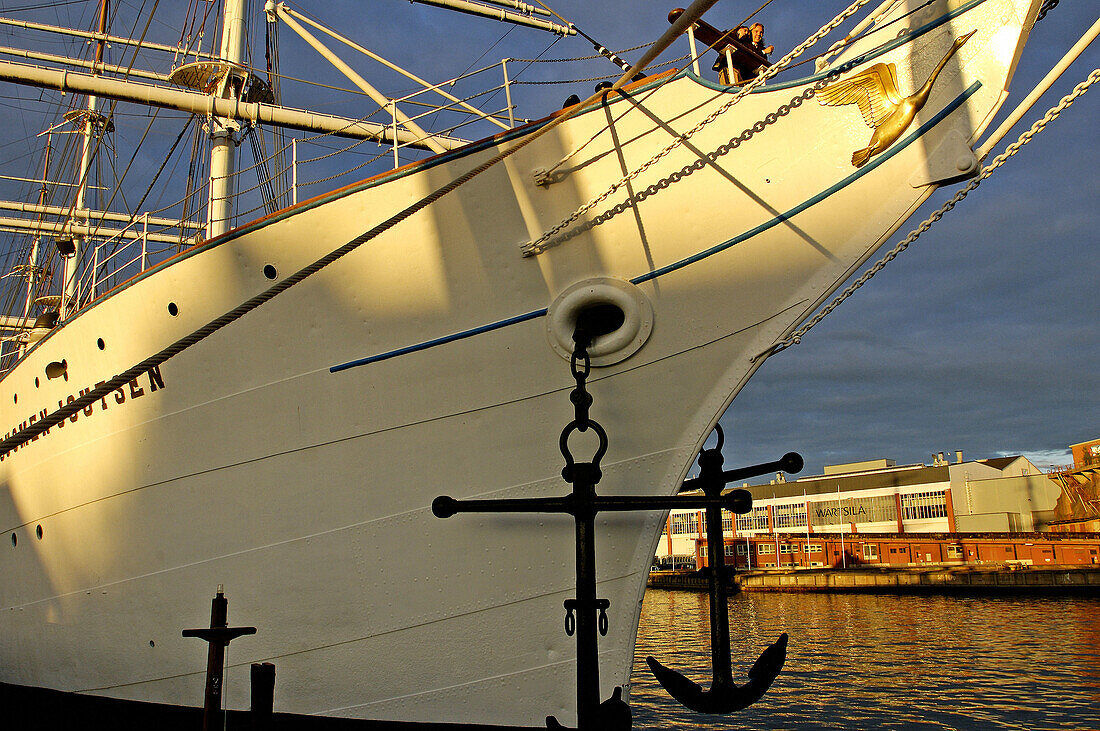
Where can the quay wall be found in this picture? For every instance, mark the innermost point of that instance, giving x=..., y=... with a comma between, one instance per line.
x=1005, y=580
x=685, y=581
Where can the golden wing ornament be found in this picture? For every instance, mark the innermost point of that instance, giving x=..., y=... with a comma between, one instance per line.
x=875, y=90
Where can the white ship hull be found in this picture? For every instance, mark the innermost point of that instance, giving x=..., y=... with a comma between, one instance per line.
x=247, y=461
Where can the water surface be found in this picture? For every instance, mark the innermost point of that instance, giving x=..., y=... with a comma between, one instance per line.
x=884, y=662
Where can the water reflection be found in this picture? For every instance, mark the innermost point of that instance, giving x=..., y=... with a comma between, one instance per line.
x=884, y=662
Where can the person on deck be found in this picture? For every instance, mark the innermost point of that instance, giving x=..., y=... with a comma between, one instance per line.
x=757, y=31
x=736, y=75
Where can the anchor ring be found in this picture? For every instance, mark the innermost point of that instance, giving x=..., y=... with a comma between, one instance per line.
x=563, y=444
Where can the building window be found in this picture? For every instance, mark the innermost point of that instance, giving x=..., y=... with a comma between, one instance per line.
x=742, y=550
x=924, y=505
x=870, y=552
x=765, y=548
x=685, y=524
x=954, y=551
x=813, y=548
x=729, y=549
x=789, y=516
x=756, y=520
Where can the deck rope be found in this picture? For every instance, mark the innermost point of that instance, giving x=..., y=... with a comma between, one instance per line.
x=796, y=337
x=544, y=242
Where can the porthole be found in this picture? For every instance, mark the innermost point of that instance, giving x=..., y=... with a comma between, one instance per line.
x=14, y=540
x=100, y=344
x=36, y=381
x=270, y=272
x=15, y=398
x=152, y=644
x=38, y=531
x=173, y=309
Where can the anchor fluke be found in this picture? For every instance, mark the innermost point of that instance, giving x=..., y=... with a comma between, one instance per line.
x=724, y=697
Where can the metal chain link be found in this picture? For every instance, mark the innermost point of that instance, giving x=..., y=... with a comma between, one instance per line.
x=580, y=365
x=538, y=245
x=577, y=58
x=673, y=62
x=796, y=337
x=363, y=164
x=1048, y=5
x=770, y=118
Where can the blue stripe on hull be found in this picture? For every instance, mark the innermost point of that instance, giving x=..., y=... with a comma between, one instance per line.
x=654, y=274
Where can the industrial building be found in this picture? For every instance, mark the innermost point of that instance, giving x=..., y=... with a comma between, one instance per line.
x=1079, y=507
x=1004, y=495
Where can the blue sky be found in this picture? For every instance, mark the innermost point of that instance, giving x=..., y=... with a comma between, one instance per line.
x=982, y=337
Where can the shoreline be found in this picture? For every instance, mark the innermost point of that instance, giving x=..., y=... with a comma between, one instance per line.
x=945, y=580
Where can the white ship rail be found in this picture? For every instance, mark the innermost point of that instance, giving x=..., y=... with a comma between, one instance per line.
x=126, y=254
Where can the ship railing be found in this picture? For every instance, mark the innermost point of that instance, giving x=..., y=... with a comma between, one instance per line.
x=128, y=252
x=456, y=112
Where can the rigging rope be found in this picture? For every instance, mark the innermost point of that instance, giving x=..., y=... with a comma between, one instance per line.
x=796, y=337
x=544, y=242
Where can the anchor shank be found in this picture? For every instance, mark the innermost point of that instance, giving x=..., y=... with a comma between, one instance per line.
x=719, y=608
x=588, y=663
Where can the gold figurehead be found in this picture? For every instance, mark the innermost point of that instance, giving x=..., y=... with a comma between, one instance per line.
x=884, y=110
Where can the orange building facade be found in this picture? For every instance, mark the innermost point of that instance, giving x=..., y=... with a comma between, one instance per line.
x=907, y=550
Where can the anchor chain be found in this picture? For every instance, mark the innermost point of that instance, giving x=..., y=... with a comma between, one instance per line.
x=701, y=162
x=796, y=337
x=1048, y=5
x=580, y=365
x=537, y=246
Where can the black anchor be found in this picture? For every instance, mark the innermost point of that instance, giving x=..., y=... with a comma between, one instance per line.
x=725, y=696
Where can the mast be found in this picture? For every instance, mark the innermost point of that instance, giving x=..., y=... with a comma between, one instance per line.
x=221, y=129
x=93, y=125
x=32, y=259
